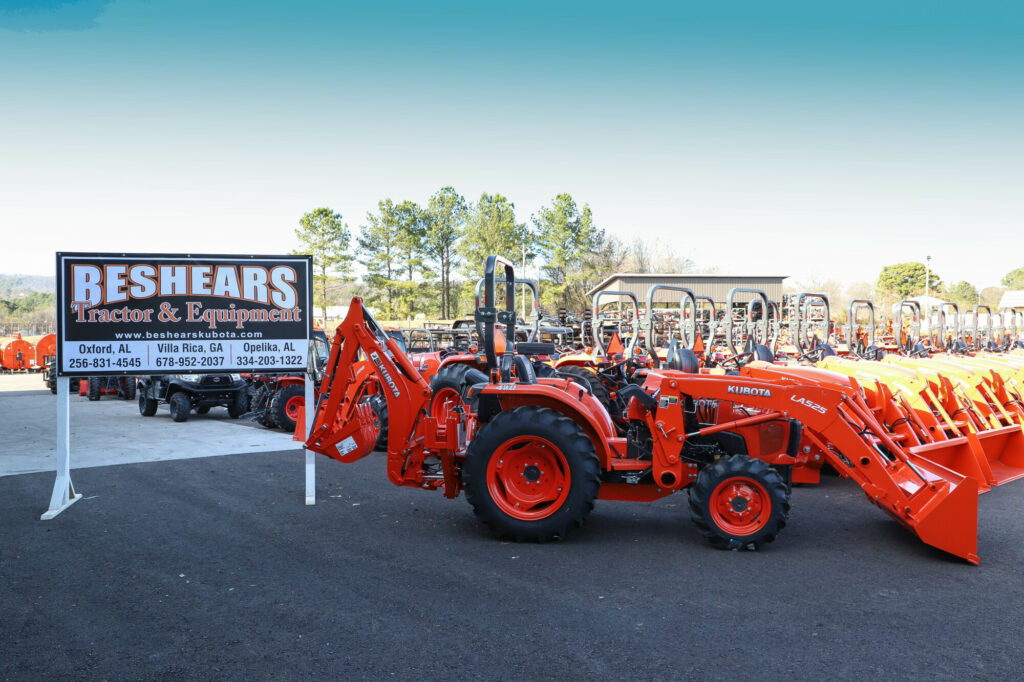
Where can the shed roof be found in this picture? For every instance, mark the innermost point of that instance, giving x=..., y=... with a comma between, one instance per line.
x=1012, y=299
x=676, y=275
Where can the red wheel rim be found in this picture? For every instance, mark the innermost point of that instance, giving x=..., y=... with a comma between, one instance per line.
x=740, y=506
x=443, y=402
x=292, y=407
x=528, y=478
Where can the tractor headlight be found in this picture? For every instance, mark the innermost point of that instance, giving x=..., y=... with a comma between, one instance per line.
x=190, y=378
x=236, y=377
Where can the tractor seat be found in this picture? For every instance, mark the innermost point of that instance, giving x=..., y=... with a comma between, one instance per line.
x=681, y=359
x=763, y=353
x=524, y=369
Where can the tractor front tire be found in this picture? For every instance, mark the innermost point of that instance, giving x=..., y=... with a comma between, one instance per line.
x=531, y=474
x=180, y=407
x=147, y=406
x=285, y=404
x=95, y=387
x=239, y=404
x=739, y=503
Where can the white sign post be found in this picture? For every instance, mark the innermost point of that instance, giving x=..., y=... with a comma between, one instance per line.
x=310, y=455
x=64, y=494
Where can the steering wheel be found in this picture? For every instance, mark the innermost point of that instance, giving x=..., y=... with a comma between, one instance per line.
x=736, y=359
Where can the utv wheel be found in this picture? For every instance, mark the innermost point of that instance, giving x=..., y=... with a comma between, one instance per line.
x=739, y=503
x=239, y=404
x=286, y=403
x=588, y=379
x=380, y=408
x=128, y=389
x=446, y=389
x=531, y=474
x=95, y=387
x=147, y=406
x=180, y=407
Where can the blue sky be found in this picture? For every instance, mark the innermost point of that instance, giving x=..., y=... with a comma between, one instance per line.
x=805, y=138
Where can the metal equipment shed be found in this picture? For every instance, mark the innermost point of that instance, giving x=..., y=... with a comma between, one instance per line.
x=1011, y=299
x=714, y=285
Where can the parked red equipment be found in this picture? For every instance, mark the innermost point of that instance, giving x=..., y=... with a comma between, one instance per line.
x=533, y=454
x=46, y=349
x=17, y=355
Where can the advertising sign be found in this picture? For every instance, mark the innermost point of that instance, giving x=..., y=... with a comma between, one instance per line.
x=182, y=314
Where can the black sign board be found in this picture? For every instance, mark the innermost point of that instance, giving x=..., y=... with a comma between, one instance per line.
x=182, y=314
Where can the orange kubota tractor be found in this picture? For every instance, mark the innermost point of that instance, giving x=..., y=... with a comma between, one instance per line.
x=534, y=454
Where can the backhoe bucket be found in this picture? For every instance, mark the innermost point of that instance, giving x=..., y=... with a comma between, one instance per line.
x=1004, y=450
x=944, y=513
x=348, y=441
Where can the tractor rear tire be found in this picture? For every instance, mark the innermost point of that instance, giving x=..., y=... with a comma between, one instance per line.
x=588, y=379
x=531, y=474
x=239, y=404
x=180, y=407
x=95, y=387
x=147, y=406
x=260, y=403
x=380, y=408
x=446, y=389
x=739, y=503
x=285, y=403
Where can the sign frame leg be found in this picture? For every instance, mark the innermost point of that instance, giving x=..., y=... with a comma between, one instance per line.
x=64, y=494
x=310, y=410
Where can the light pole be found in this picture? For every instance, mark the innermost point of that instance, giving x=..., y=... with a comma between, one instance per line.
x=522, y=289
x=927, y=282
x=927, y=275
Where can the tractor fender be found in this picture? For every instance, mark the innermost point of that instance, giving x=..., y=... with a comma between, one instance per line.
x=566, y=397
x=575, y=359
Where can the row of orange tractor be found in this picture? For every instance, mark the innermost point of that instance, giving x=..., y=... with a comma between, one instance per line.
x=733, y=402
x=20, y=355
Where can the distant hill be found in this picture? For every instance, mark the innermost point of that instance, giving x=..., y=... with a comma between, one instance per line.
x=19, y=285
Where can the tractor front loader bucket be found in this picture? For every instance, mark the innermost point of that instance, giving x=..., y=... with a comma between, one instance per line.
x=936, y=503
x=944, y=512
x=1004, y=451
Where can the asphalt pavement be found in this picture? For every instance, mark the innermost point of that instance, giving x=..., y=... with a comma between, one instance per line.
x=214, y=569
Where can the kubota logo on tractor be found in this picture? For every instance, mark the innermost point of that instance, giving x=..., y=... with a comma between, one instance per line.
x=384, y=373
x=749, y=390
